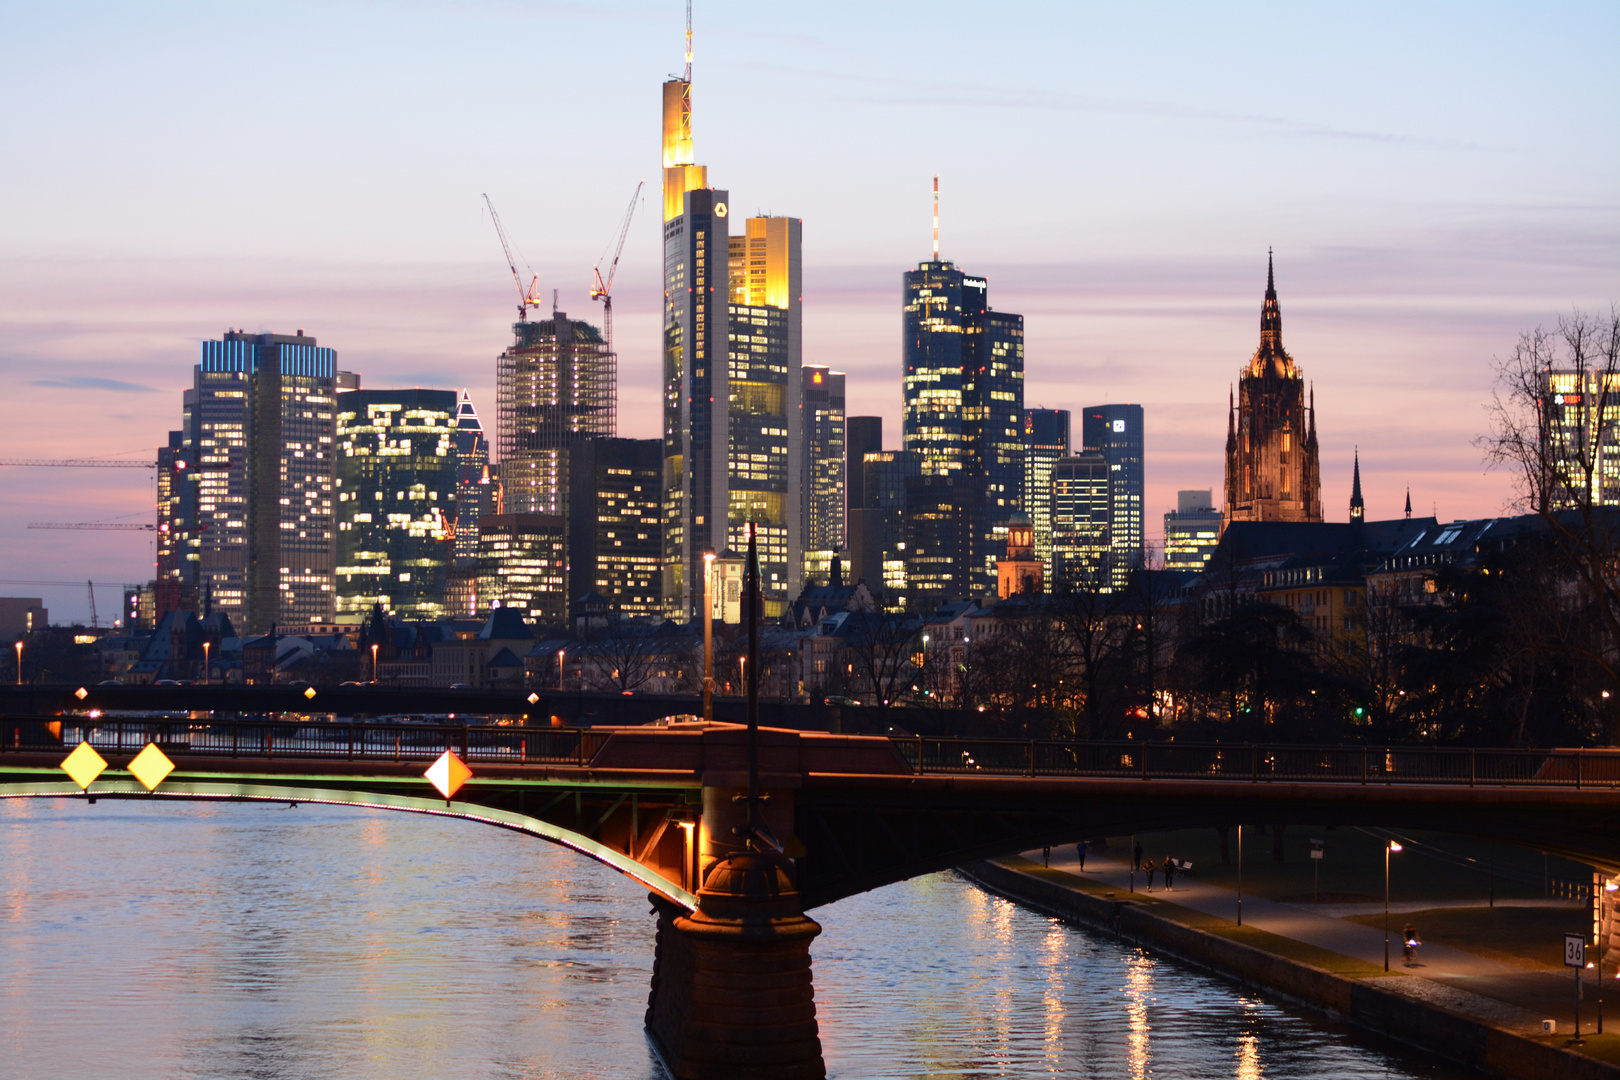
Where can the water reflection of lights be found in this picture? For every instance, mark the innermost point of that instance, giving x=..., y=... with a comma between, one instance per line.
x=1138, y=991
x=1248, y=1057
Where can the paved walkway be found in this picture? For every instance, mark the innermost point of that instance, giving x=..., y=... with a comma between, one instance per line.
x=1499, y=993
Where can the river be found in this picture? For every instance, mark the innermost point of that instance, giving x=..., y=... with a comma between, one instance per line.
x=158, y=939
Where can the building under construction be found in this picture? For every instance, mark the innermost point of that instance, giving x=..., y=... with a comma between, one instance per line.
x=555, y=386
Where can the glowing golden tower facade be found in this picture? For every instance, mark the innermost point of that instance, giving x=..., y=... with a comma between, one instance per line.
x=1272, y=472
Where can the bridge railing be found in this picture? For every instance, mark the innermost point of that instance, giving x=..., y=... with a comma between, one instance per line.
x=313, y=739
x=1260, y=763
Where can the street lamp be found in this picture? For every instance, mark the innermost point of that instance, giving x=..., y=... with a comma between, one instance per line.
x=708, y=636
x=1390, y=848
x=19, y=663
x=207, y=645
x=374, y=661
x=560, y=669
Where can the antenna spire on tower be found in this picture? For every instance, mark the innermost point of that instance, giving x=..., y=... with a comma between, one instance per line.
x=936, y=217
x=688, y=76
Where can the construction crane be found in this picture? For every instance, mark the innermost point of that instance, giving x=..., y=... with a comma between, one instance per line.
x=527, y=298
x=80, y=463
x=602, y=290
x=105, y=526
x=95, y=623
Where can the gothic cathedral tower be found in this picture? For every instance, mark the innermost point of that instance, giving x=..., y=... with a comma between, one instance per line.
x=1271, y=465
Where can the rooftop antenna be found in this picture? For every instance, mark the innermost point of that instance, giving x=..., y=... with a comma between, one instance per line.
x=688, y=76
x=936, y=217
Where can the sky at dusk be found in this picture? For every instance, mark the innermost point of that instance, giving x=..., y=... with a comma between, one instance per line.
x=1435, y=179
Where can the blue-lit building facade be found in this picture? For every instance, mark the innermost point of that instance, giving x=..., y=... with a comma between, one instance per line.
x=963, y=404
x=396, y=501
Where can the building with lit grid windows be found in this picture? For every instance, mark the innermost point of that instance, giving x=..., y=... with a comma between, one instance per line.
x=822, y=510
x=396, y=501
x=1192, y=531
x=554, y=386
x=614, y=543
x=1046, y=442
x=258, y=451
x=1115, y=432
x=962, y=372
x=523, y=564
x=1081, y=512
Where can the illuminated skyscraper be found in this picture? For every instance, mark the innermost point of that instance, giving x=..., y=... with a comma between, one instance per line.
x=1272, y=472
x=1115, y=432
x=1192, y=531
x=475, y=490
x=614, y=548
x=523, y=564
x=766, y=419
x=1081, y=508
x=963, y=385
x=1046, y=442
x=823, y=503
x=554, y=386
x=396, y=501
x=258, y=451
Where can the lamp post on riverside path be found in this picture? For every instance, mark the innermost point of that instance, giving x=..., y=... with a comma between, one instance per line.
x=1240, y=875
x=1390, y=846
x=19, y=663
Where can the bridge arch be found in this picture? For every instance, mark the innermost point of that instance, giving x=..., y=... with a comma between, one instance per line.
x=209, y=791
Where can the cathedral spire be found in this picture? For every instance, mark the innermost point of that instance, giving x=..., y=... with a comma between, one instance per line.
x=1271, y=357
x=1358, y=509
x=1409, y=502
x=1271, y=280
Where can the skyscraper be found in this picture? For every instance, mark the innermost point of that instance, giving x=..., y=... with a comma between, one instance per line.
x=697, y=254
x=475, y=489
x=614, y=547
x=823, y=503
x=554, y=386
x=523, y=564
x=862, y=435
x=1046, y=442
x=963, y=385
x=1192, y=531
x=1115, y=432
x=257, y=443
x=1272, y=473
x=1081, y=511
x=396, y=501
x=768, y=478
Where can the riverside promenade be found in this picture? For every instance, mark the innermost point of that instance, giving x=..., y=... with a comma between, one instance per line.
x=1324, y=959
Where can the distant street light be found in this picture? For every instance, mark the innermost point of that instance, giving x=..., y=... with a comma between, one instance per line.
x=207, y=645
x=19, y=663
x=374, y=661
x=1390, y=847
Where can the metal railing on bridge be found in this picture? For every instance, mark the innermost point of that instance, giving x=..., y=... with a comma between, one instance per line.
x=1261, y=763
x=311, y=739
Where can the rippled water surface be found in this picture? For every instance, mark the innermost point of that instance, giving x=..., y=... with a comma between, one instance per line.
x=234, y=940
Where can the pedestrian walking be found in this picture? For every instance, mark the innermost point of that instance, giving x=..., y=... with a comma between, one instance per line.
x=1148, y=867
x=1169, y=873
x=1080, y=853
x=1136, y=856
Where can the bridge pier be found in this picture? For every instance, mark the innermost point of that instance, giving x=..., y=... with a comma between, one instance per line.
x=732, y=997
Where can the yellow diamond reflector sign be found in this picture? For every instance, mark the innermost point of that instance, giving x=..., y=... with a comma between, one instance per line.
x=150, y=766
x=448, y=774
x=83, y=765
x=309, y=693
x=81, y=693
x=533, y=697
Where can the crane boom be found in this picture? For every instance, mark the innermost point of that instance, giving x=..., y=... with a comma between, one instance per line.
x=104, y=526
x=79, y=463
x=528, y=298
x=603, y=289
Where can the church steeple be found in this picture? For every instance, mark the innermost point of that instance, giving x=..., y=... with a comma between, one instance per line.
x=1271, y=356
x=1409, y=502
x=1358, y=509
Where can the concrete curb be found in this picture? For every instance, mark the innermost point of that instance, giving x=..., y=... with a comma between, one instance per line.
x=1411, y=1023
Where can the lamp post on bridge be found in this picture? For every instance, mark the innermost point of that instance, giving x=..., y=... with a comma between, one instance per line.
x=708, y=635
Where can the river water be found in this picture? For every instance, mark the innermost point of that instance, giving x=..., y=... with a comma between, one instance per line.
x=244, y=940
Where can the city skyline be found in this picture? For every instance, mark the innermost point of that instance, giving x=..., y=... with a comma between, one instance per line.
x=1440, y=239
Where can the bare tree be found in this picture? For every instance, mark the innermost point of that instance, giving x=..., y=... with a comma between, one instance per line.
x=881, y=647
x=1555, y=426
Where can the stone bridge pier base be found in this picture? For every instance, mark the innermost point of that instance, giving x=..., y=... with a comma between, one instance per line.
x=731, y=992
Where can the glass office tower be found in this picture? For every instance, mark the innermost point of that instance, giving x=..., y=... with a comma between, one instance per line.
x=1046, y=442
x=1115, y=432
x=396, y=501
x=1081, y=515
x=823, y=502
